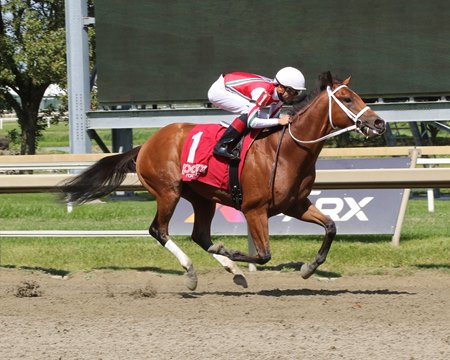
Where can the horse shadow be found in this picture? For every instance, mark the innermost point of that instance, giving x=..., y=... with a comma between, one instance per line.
x=63, y=273
x=143, y=269
x=432, y=266
x=296, y=266
x=305, y=292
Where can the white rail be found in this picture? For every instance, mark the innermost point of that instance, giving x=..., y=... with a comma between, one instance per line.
x=326, y=179
x=429, y=177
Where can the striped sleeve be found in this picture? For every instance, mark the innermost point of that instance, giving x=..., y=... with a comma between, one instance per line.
x=257, y=123
x=261, y=99
x=253, y=114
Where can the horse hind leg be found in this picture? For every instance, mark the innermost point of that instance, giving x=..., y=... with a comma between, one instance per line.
x=314, y=215
x=159, y=230
x=201, y=234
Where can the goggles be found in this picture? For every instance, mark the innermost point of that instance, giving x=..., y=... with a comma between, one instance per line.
x=292, y=91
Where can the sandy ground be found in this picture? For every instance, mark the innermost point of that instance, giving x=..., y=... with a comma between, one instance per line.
x=148, y=315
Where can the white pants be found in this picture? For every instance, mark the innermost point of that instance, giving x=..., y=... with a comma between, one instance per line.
x=220, y=97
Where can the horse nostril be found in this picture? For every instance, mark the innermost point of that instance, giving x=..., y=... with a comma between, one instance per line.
x=379, y=124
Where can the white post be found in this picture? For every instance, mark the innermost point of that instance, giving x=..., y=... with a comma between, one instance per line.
x=414, y=153
x=430, y=196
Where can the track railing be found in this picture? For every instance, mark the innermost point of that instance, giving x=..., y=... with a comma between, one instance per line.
x=431, y=177
x=43, y=180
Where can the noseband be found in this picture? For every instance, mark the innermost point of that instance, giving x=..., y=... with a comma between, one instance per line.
x=350, y=114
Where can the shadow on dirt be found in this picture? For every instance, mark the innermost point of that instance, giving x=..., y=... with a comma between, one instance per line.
x=144, y=269
x=297, y=292
x=50, y=271
x=296, y=266
x=433, y=266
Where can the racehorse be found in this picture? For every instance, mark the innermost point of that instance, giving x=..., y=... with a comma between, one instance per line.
x=277, y=177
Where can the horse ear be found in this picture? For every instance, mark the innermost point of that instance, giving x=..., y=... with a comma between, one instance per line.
x=347, y=81
x=325, y=79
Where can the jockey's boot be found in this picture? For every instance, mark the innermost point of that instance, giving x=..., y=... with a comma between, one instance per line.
x=227, y=142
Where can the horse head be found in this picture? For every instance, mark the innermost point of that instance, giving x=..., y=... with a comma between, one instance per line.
x=347, y=109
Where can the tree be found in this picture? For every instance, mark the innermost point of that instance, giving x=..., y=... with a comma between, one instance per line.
x=32, y=56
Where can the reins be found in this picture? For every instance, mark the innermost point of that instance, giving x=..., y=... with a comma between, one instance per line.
x=331, y=97
x=350, y=114
x=275, y=164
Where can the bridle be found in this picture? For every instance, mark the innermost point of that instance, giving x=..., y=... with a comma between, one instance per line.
x=354, y=117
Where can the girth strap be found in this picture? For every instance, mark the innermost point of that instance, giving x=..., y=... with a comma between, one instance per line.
x=234, y=186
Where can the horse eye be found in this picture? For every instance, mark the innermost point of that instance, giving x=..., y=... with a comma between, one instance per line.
x=347, y=99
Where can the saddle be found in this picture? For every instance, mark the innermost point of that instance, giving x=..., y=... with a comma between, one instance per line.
x=198, y=162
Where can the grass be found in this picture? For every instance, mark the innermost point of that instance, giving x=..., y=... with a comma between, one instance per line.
x=425, y=241
x=45, y=211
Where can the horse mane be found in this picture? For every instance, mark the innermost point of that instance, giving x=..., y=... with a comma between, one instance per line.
x=302, y=104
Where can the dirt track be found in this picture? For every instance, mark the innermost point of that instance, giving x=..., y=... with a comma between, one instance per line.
x=145, y=315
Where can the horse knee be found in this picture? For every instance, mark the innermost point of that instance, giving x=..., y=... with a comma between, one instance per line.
x=330, y=227
x=202, y=240
x=154, y=231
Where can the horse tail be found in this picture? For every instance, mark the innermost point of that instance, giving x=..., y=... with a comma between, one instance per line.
x=101, y=178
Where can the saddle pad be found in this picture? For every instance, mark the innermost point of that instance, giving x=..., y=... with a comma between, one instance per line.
x=198, y=162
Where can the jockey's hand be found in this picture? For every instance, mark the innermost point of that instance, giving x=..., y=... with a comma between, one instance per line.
x=284, y=120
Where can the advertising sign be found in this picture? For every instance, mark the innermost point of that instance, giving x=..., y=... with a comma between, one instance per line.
x=366, y=211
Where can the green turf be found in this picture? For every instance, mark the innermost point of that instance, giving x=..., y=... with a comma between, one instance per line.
x=425, y=241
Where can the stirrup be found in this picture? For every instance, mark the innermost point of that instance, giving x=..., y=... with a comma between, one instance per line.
x=223, y=151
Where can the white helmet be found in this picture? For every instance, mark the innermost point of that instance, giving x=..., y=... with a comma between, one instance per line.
x=291, y=77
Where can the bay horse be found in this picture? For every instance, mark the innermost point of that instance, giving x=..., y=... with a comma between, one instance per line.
x=265, y=192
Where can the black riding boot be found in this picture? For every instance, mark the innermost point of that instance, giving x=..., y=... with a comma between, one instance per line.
x=227, y=142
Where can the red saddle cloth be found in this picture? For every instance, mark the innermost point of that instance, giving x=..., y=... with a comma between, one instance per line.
x=198, y=162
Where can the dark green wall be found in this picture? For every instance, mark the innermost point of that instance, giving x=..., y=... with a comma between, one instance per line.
x=152, y=51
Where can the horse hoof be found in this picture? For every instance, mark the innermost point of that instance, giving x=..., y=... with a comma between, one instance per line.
x=191, y=279
x=305, y=271
x=240, y=280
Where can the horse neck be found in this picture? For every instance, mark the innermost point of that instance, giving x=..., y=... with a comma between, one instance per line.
x=312, y=123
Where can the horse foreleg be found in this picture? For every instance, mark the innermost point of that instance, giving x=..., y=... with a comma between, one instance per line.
x=230, y=266
x=314, y=215
x=258, y=227
x=201, y=234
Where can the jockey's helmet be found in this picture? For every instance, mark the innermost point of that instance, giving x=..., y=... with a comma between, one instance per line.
x=291, y=77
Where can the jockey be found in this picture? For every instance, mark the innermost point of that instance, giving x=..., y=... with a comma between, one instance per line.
x=246, y=94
